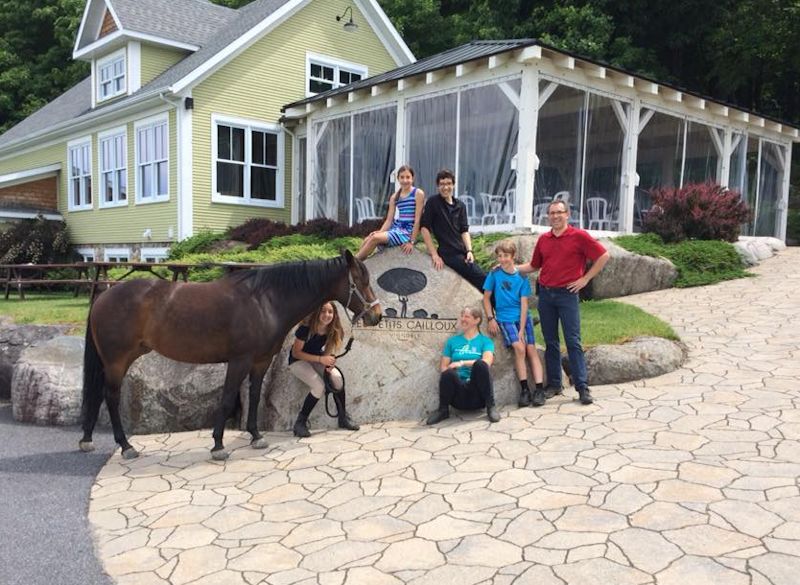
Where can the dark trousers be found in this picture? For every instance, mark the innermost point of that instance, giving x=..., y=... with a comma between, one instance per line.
x=477, y=393
x=558, y=304
x=470, y=272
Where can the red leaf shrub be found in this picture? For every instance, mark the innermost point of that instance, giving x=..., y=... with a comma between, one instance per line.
x=256, y=231
x=701, y=211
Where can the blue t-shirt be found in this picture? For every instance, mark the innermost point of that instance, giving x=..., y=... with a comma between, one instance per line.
x=508, y=290
x=459, y=348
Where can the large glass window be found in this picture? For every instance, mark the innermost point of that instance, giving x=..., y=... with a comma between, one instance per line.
x=431, y=129
x=111, y=76
x=605, y=144
x=325, y=73
x=702, y=154
x=373, y=162
x=246, y=163
x=770, y=187
x=79, y=156
x=152, y=161
x=113, y=169
x=330, y=186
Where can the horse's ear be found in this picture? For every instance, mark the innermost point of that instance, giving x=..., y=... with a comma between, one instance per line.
x=348, y=255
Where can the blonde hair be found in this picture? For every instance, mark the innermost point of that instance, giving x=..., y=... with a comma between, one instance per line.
x=475, y=312
x=506, y=246
x=335, y=334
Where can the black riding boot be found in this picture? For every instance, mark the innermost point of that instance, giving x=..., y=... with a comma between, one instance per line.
x=344, y=421
x=300, y=428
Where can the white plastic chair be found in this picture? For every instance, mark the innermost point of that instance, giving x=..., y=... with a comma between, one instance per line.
x=597, y=213
x=491, y=208
x=510, y=206
x=562, y=196
x=469, y=202
x=365, y=209
x=540, y=213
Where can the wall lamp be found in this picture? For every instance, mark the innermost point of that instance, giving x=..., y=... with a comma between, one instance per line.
x=349, y=26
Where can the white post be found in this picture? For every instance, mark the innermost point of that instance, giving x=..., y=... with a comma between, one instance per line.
x=184, y=136
x=630, y=153
x=400, y=146
x=526, y=146
x=783, y=205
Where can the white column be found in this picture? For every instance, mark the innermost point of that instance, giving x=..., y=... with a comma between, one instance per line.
x=400, y=146
x=727, y=152
x=526, y=152
x=184, y=133
x=783, y=205
x=629, y=177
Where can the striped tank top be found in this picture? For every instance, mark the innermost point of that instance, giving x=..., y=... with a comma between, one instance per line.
x=406, y=208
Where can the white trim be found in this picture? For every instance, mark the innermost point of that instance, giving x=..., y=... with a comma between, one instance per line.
x=134, y=67
x=385, y=31
x=121, y=34
x=79, y=36
x=158, y=253
x=336, y=65
x=20, y=177
x=97, y=46
x=110, y=60
x=152, y=121
x=84, y=252
x=248, y=125
x=7, y=214
x=162, y=41
x=117, y=252
x=101, y=136
x=80, y=142
x=185, y=133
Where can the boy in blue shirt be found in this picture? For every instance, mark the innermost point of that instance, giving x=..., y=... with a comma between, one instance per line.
x=511, y=291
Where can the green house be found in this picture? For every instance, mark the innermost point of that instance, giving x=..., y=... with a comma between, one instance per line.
x=179, y=126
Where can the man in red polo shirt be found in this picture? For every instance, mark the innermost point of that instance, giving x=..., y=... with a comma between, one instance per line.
x=560, y=256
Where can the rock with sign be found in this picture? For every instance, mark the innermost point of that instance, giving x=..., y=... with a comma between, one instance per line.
x=392, y=372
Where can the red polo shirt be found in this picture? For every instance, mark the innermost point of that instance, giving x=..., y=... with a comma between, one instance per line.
x=562, y=259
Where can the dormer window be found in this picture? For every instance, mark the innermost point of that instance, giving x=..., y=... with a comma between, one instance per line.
x=111, y=76
x=325, y=73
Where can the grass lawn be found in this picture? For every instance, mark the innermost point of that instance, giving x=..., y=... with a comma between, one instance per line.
x=602, y=322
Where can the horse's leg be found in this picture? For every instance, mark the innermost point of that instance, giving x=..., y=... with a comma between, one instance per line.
x=257, y=373
x=237, y=370
x=112, y=402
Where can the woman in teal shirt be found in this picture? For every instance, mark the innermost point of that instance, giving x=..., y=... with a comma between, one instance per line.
x=466, y=381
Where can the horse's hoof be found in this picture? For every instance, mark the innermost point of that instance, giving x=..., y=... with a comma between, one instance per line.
x=130, y=453
x=86, y=446
x=220, y=455
x=259, y=443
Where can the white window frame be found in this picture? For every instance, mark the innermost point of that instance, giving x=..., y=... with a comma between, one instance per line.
x=337, y=65
x=120, y=80
x=116, y=253
x=112, y=135
x=86, y=199
x=87, y=254
x=248, y=126
x=157, y=254
x=145, y=124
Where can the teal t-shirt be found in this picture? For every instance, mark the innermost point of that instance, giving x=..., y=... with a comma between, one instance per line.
x=459, y=348
x=508, y=290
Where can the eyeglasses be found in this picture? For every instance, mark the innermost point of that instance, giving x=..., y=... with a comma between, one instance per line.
x=556, y=212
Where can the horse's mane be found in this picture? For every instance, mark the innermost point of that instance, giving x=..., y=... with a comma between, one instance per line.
x=289, y=276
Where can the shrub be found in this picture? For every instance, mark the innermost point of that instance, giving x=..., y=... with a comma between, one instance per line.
x=257, y=230
x=203, y=241
x=703, y=211
x=36, y=241
x=698, y=262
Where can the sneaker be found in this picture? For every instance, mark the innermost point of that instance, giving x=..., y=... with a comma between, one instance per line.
x=438, y=416
x=525, y=397
x=538, y=398
x=551, y=391
x=492, y=413
x=585, y=395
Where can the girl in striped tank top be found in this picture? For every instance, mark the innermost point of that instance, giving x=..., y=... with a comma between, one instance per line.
x=403, y=231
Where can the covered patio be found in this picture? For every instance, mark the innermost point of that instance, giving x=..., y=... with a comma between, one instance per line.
x=521, y=124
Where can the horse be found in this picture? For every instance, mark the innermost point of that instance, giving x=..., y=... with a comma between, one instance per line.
x=241, y=319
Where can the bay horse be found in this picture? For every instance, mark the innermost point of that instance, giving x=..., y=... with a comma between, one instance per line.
x=241, y=319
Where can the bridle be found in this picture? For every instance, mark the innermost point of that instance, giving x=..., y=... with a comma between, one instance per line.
x=367, y=306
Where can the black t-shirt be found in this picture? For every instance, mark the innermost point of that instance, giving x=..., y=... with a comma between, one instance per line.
x=447, y=223
x=314, y=345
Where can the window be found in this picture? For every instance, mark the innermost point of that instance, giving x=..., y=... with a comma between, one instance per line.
x=247, y=161
x=154, y=255
x=111, y=76
x=152, y=161
x=113, y=168
x=86, y=254
x=324, y=74
x=117, y=255
x=79, y=157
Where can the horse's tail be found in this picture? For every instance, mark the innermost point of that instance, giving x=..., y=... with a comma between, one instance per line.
x=93, y=377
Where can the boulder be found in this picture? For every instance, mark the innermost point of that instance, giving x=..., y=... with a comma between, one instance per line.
x=627, y=273
x=47, y=381
x=392, y=371
x=14, y=339
x=643, y=357
x=746, y=253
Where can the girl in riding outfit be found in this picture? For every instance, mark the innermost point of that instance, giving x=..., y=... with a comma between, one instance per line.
x=311, y=358
x=403, y=231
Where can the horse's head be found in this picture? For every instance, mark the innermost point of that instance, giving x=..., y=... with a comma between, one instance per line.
x=360, y=298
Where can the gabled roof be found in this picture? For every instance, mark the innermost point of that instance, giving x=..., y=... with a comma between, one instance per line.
x=186, y=22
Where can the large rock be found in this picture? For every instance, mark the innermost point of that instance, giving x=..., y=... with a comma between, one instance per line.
x=753, y=250
x=393, y=370
x=628, y=274
x=14, y=339
x=47, y=381
x=643, y=357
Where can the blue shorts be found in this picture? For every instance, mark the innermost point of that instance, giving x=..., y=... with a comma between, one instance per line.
x=510, y=332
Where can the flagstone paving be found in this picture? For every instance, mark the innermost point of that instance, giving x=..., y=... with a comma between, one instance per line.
x=691, y=477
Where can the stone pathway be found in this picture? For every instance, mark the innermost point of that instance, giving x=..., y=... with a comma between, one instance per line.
x=686, y=479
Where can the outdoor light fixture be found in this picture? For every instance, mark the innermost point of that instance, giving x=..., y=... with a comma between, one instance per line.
x=349, y=26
